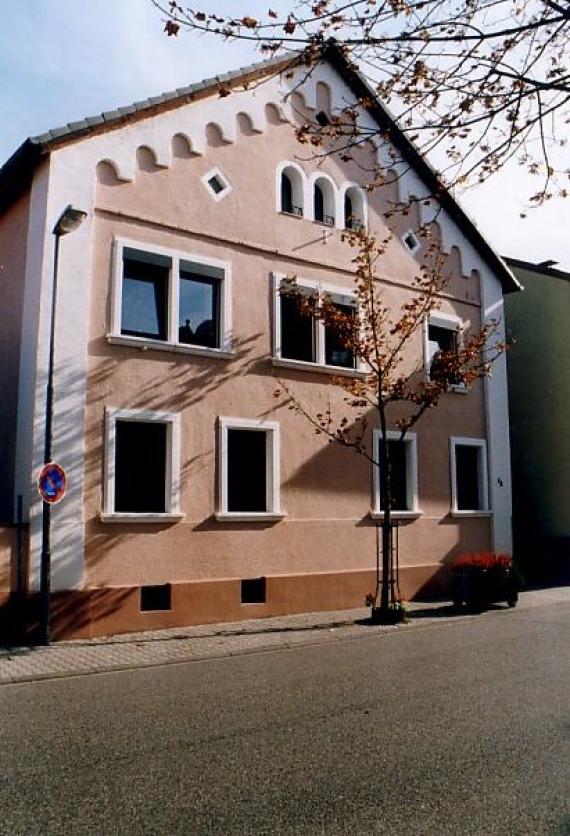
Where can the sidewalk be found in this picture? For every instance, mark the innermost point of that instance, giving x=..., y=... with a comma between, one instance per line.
x=212, y=641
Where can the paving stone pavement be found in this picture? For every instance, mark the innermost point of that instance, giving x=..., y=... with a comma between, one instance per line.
x=211, y=641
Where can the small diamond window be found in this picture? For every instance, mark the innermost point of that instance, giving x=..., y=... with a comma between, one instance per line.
x=216, y=184
x=411, y=241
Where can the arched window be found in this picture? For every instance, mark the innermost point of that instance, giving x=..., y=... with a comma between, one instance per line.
x=324, y=201
x=354, y=213
x=291, y=187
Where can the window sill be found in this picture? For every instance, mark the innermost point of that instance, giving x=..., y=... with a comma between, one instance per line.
x=396, y=515
x=145, y=344
x=331, y=371
x=467, y=514
x=120, y=517
x=238, y=516
x=291, y=215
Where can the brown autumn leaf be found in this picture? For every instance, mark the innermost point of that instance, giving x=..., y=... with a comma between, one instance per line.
x=249, y=22
x=290, y=26
x=171, y=28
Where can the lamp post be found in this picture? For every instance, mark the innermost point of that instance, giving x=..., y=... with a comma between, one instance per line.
x=69, y=220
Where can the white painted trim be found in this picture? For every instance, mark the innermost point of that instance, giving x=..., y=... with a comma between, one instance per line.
x=339, y=294
x=284, y=164
x=450, y=322
x=314, y=178
x=228, y=188
x=482, y=475
x=362, y=194
x=120, y=517
x=172, y=478
x=146, y=344
x=273, y=470
x=412, y=495
x=176, y=257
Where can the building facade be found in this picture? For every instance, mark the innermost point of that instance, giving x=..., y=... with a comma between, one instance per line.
x=539, y=392
x=194, y=493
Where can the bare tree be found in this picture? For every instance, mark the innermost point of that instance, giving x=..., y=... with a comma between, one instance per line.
x=396, y=390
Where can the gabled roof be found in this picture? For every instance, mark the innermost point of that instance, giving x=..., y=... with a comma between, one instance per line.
x=17, y=173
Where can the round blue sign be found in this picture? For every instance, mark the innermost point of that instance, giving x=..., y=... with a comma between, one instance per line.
x=52, y=483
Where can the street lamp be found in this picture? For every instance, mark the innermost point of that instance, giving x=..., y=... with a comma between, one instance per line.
x=69, y=220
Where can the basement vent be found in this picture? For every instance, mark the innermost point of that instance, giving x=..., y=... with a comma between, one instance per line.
x=253, y=591
x=155, y=598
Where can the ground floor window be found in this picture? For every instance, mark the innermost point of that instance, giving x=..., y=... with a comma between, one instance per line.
x=469, y=488
x=403, y=474
x=248, y=469
x=142, y=464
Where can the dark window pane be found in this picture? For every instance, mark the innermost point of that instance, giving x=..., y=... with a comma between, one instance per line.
x=199, y=310
x=467, y=477
x=398, y=476
x=140, y=467
x=348, y=212
x=253, y=591
x=286, y=194
x=247, y=470
x=319, y=204
x=145, y=293
x=336, y=352
x=216, y=184
x=297, y=332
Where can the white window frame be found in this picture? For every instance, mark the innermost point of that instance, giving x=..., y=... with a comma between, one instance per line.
x=362, y=195
x=410, y=440
x=450, y=322
x=306, y=201
x=172, y=477
x=228, y=188
x=342, y=295
x=171, y=343
x=482, y=475
x=273, y=470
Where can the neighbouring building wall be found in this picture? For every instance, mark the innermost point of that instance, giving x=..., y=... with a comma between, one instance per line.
x=13, y=237
x=539, y=394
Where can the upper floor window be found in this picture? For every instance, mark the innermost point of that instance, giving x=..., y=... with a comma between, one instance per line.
x=442, y=344
x=291, y=191
x=324, y=201
x=170, y=300
x=303, y=337
x=354, y=209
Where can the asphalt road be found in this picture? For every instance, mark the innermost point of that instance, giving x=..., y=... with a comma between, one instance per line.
x=455, y=728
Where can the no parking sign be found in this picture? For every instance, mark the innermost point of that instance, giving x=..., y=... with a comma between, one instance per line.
x=52, y=483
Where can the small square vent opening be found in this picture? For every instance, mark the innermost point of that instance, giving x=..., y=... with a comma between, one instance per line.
x=156, y=597
x=253, y=590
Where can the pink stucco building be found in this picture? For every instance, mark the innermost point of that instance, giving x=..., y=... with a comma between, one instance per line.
x=194, y=494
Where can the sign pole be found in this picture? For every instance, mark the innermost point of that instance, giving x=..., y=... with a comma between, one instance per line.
x=45, y=562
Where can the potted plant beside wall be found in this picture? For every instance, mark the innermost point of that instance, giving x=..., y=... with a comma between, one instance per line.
x=481, y=578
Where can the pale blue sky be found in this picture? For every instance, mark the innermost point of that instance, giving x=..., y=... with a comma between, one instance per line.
x=61, y=60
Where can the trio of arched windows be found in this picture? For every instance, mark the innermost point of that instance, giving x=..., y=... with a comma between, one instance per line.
x=327, y=204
